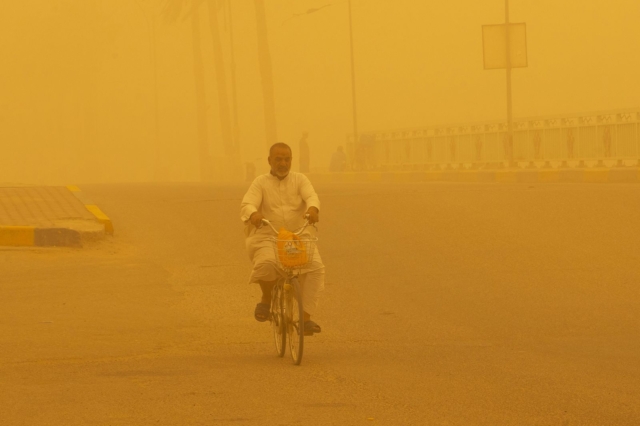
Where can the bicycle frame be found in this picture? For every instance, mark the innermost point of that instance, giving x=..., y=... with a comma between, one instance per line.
x=289, y=291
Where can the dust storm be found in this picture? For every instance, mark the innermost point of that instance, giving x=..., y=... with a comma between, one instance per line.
x=150, y=90
x=476, y=212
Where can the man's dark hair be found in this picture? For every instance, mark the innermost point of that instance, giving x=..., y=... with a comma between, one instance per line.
x=279, y=145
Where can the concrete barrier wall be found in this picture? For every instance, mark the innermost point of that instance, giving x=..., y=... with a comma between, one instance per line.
x=595, y=175
x=612, y=136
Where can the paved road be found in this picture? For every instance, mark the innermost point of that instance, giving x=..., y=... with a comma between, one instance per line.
x=446, y=304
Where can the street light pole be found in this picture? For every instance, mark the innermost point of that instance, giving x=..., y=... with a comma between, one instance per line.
x=353, y=81
x=156, y=108
x=509, y=106
x=153, y=30
x=353, y=70
x=234, y=91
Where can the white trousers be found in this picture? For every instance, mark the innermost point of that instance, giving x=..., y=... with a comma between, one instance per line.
x=265, y=268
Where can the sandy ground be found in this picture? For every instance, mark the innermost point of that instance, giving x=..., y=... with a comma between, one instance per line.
x=445, y=304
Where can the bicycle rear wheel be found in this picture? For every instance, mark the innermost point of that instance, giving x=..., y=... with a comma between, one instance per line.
x=277, y=318
x=295, y=320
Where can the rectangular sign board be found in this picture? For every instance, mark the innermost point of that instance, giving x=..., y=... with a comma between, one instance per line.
x=494, y=45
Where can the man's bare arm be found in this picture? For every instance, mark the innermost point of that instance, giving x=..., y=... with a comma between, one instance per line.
x=308, y=194
x=256, y=219
x=314, y=215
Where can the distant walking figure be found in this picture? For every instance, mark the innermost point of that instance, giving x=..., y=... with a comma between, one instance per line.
x=304, y=153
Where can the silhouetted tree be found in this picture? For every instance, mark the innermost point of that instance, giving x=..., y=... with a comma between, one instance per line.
x=264, y=58
x=173, y=11
x=221, y=78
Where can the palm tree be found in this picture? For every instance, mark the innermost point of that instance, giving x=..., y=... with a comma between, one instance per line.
x=150, y=14
x=221, y=79
x=234, y=94
x=264, y=58
x=173, y=11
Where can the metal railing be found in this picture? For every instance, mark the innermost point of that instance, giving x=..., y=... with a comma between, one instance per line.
x=579, y=140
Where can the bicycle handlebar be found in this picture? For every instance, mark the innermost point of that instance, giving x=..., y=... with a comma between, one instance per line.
x=298, y=232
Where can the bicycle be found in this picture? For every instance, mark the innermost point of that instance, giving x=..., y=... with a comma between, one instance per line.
x=287, y=311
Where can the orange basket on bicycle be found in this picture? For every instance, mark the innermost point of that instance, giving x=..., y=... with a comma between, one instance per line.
x=292, y=251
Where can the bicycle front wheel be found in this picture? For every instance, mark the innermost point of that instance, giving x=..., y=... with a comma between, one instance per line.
x=295, y=320
x=277, y=318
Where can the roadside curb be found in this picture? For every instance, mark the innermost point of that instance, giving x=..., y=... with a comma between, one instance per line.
x=93, y=208
x=59, y=236
x=26, y=236
x=594, y=175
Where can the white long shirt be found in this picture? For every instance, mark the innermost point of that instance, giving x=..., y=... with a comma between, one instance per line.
x=282, y=202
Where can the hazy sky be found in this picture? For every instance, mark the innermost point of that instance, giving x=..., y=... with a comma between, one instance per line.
x=420, y=62
x=77, y=82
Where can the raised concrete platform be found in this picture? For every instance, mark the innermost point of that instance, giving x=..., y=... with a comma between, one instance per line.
x=49, y=216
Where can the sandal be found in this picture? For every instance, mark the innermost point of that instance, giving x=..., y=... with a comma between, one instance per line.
x=310, y=328
x=262, y=312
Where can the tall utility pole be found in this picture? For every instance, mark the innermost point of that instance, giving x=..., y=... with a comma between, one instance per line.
x=156, y=108
x=353, y=81
x=201, y=95
x=153, y=34
x=353, y=69
x=266, y=72
x=509, y=106
x=234, y=92
x=504, y=46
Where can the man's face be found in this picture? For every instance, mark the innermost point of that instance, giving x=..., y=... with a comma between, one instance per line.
x=280, y=162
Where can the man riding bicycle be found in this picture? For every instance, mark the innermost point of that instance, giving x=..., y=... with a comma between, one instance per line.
x=284, y=198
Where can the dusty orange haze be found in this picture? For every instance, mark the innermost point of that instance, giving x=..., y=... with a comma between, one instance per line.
x=77, y=95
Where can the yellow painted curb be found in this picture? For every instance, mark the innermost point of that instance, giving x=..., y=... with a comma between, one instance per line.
x=468, y=176
x=596, y=175
x=102, y=218
x=506, y=176
x=17, y=235
x=548, y=175
x=95, y=210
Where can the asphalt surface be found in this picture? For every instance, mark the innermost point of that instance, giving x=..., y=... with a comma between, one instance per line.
x=445, y=304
